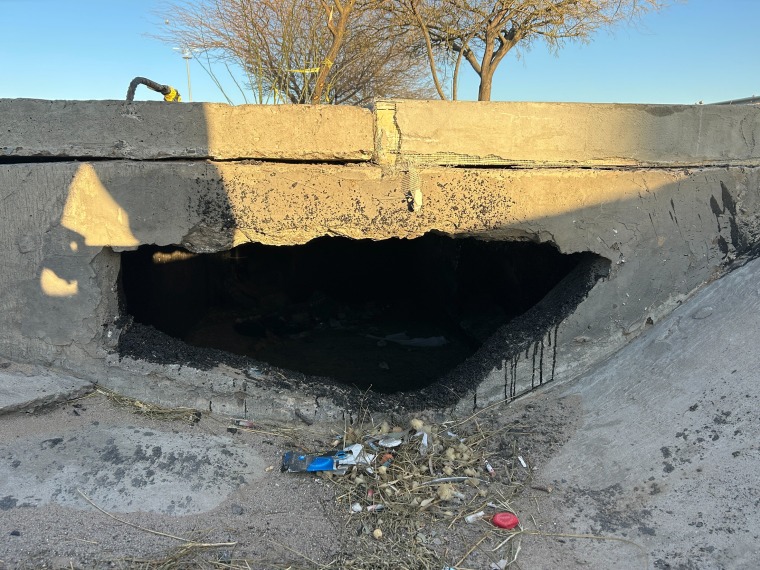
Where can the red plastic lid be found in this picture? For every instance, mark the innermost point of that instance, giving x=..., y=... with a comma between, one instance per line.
x=505, y=520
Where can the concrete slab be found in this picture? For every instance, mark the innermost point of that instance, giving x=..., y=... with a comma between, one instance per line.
x=566, y=134
x=124, y=469
x=666, y=455
x=25, y=387
x=192, y=481
x=155, y=130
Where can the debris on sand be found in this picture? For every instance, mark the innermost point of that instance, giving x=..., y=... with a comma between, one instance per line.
x=417, y=488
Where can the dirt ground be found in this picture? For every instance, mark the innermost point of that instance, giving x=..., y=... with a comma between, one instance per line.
x=270, y=519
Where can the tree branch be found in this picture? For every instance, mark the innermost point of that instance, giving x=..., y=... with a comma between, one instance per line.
x=428, y=47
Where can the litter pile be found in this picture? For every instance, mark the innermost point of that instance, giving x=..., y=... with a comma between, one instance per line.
x=408, y=491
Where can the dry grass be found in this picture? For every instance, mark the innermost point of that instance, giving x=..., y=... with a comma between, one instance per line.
x=424, y=493
x=187, y=415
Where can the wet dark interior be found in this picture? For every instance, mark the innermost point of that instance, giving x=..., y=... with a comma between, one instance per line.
x=394, y=315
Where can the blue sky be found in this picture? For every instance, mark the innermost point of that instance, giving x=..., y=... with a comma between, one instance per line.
x=91, y=49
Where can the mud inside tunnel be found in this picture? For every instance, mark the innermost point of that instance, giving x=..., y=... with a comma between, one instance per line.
x=393, y=316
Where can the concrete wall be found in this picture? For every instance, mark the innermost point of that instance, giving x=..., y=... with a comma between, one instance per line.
x=668, y=194
x=151, y=130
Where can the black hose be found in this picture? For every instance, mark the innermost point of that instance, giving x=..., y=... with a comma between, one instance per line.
x=169, y=92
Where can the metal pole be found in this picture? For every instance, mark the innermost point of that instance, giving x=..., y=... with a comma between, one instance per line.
x=744, y=101
x=187, y=57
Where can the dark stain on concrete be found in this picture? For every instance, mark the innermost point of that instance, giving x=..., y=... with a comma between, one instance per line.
x=661, y=110
x=111, y=455
x=50, y=443
x=7, y=503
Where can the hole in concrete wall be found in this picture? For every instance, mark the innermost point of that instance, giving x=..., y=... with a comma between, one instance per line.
x=395, y=315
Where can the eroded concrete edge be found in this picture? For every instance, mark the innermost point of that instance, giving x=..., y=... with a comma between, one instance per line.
x=27, y=387
x=710, y=217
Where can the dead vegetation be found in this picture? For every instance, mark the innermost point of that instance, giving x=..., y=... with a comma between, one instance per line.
x=412, y=494
x=427, y=499
x=154, y=411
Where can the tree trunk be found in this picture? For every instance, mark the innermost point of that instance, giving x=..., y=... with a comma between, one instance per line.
x=338, y=32
x=484, y=91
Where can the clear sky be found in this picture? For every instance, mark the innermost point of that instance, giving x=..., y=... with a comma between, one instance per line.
x=91, y=49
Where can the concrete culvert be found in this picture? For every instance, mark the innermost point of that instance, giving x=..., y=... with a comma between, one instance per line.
x=392, y=316
x=534, y=253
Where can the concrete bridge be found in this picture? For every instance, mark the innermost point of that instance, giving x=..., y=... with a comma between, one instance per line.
x=276, y=262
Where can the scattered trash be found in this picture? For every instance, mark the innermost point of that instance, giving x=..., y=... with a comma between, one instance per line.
x=505, y=520
x=355, y=455
x=293, y=462
x=500, y=565
x=392, y=440
x=423, y=443
x=243, y=423
x=544, y=488
x=337, y=461
x=357, y=508
x=386, y=460
x=522, y=461
x=474, y=517
x=393, y=478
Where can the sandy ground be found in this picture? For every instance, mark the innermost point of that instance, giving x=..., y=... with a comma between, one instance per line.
x=207, y=485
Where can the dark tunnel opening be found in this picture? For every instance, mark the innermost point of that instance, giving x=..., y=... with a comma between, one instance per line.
x=394, y=315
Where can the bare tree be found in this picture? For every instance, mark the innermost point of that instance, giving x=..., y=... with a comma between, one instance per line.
x=482, y=32
x=301, y=51
x=337, y=26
